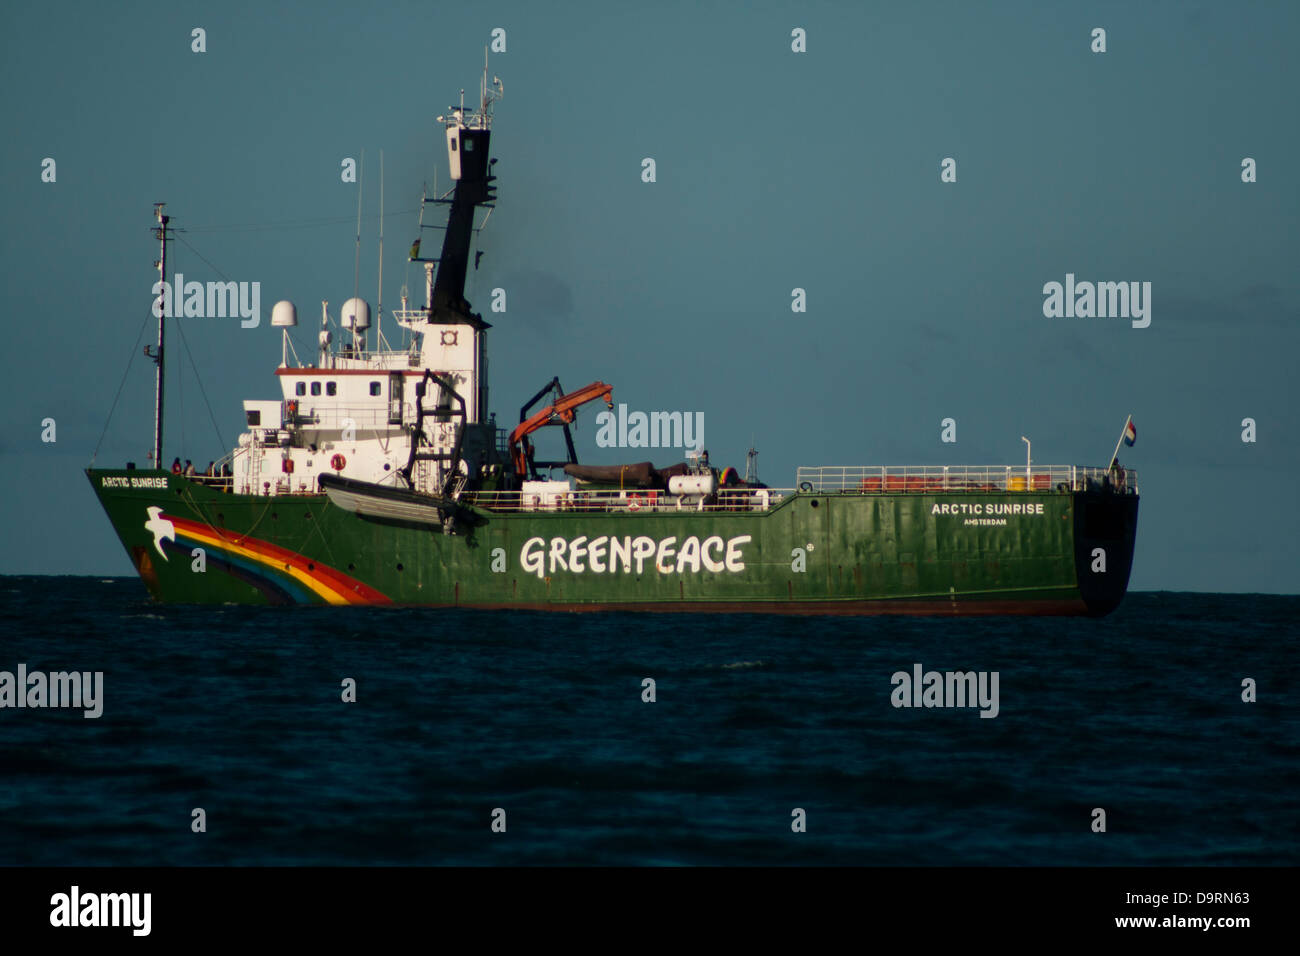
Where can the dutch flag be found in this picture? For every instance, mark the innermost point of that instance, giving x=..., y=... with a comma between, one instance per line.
x=1130, y=434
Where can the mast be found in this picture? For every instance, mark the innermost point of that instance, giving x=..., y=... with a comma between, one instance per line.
x=161, y=233
x=469, y=134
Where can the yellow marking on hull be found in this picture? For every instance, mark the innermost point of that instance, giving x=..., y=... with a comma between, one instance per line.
x=321, y=590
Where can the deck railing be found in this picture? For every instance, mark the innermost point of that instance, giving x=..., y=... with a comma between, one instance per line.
x=647, y=501
x=323, y=414
x=377, y=359
x=857, y=480
x=910, y=479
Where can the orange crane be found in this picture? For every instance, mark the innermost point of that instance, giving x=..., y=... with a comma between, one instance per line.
x=562, y=410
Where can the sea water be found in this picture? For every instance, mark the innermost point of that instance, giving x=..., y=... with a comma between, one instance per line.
x=423, y=736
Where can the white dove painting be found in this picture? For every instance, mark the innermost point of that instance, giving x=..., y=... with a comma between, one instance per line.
x=160, y=528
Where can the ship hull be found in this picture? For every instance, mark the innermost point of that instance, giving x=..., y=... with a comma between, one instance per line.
x=1058, y=552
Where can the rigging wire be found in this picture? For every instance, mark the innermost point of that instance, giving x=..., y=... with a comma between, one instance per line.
x=356, y=273
x=292, y=224
x=184, y=341
x=202, y=391
x=113, y=407
x=419, y=233
x=180, y=398
x=220, y=273
x=253, y=227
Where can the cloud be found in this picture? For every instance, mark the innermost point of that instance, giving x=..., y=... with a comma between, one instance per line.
x=1262, y=305
x=539, y=295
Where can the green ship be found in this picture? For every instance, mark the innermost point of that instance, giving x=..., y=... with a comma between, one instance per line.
x=379, y=477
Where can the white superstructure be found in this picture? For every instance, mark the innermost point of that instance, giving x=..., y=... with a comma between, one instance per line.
x=415, y=418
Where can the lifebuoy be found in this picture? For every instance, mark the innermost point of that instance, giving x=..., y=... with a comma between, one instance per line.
x=287, y=466
x=633, y=502
x=338, y=462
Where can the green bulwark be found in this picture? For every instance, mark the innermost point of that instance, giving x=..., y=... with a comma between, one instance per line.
x=1041, y=552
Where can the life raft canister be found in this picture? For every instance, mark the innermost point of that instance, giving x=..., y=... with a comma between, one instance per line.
x=338, y=462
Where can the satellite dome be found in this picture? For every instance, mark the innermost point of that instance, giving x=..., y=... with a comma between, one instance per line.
x=355, y=315
x=284, y=315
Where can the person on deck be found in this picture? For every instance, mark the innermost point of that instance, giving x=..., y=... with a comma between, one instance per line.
x=176, y=466
x=212, y=469
x=189, y=468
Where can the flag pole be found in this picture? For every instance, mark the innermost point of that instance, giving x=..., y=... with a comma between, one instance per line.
x=1120, y=442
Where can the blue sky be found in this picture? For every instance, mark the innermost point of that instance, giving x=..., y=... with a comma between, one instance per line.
x=775, y=170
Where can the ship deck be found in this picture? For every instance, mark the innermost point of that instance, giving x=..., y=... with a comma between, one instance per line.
x=826, y=480
x=820, y=480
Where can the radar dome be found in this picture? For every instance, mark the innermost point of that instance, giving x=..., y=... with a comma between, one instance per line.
x=355, y=315
x=284, y=315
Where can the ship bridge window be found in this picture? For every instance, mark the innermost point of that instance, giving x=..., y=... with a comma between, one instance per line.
x=315, y=388
x=374, y=388
x=331, y=388
x=300, y=388
x=254, y=417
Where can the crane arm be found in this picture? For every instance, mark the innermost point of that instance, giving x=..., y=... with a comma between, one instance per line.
x=563, y=409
